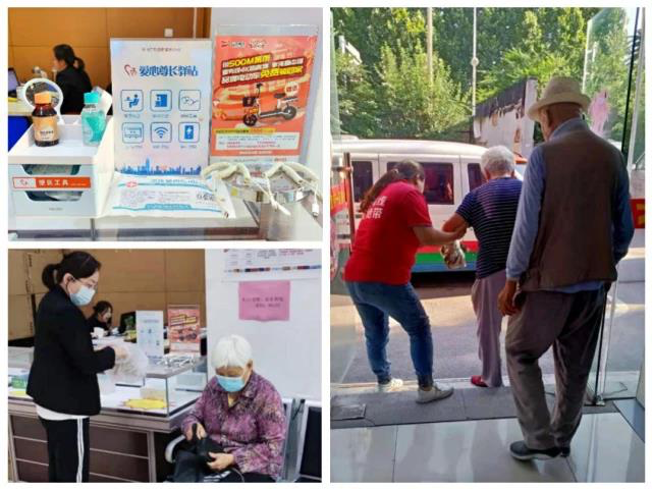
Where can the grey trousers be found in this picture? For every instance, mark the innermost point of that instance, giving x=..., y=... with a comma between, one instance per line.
x=570, y=323
x=484, y=296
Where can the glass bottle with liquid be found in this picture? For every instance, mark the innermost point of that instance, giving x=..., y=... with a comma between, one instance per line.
x=44, y=119
x=93, y=120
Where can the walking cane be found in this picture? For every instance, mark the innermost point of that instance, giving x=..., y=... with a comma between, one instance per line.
x=597, y=400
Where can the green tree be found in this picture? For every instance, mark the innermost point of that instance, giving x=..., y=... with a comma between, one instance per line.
x=370, y=29
x=551, y=42
x=512, y=44
x=358, y=109
x=410, y=105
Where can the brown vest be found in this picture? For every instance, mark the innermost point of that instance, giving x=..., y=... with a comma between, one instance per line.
x=573, y=244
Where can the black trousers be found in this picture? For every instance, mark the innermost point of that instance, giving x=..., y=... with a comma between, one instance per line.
x=68, y=450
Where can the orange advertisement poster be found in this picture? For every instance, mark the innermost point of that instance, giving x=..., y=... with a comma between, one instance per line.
x=184, y=328
x=261, y=86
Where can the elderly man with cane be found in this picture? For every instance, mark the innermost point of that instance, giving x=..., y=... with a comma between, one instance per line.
x=573, y=225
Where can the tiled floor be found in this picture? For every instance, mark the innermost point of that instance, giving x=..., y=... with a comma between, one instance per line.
x=605, y=449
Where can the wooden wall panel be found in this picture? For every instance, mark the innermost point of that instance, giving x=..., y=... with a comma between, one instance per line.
x=129, y=279
x=79, y=27
x=148, y=22
x=184, y=270
x=88, y=31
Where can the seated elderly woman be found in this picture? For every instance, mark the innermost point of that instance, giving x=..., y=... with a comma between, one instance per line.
x=243, y=414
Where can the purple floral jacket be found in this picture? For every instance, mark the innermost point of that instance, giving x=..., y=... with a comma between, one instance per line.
x=252, y=430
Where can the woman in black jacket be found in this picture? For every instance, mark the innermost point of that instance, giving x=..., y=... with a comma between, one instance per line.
x=101, y=317
x=63, y=378
x=71, y=78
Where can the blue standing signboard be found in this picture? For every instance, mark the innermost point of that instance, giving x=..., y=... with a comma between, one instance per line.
x=162, y=97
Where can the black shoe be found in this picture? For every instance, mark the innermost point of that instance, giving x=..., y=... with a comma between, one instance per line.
x=520, y=451
x=564, y=452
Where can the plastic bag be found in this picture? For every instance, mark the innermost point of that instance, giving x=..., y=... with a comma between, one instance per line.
x=453, y=255
x=132, y=369
x=167, y=196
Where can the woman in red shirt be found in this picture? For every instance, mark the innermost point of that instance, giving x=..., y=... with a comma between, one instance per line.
x=396, y=223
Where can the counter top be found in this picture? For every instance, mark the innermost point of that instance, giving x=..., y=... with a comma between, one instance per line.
x=114, y=417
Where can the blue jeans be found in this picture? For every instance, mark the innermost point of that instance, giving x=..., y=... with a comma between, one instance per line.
x=375, y=303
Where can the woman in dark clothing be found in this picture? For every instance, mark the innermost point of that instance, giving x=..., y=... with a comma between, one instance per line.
x=71, y=78
x=101, y=318
x=63, y=378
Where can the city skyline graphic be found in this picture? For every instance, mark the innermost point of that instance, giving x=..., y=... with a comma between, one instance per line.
x=148, y=169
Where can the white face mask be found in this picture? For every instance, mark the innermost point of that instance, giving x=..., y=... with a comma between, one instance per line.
x=83, y=296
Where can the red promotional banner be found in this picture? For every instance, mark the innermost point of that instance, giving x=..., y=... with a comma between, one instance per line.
x=50, y=182
x=261, y=86
x=184, y=328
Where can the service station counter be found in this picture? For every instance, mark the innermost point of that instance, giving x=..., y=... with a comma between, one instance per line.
x=127, y=444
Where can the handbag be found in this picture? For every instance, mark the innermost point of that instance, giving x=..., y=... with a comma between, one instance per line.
x=192, y=458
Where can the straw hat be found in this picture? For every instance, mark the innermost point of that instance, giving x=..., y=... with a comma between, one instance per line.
x=560, y=89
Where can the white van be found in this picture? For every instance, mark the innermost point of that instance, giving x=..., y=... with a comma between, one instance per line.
x=452, y=170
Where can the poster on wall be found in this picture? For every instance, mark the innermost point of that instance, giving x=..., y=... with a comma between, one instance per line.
x=261, y=87
x=149, y=330
x=501, y=120
x=267, y=300
x=161, y=105
x=254, y=264
x=184, y=328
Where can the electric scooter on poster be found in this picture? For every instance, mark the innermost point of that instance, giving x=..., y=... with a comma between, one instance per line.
x=284, y=107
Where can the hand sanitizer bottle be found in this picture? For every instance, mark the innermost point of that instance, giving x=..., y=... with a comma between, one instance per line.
x=93, y=120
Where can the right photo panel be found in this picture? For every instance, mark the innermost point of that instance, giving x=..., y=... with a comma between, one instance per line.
x=487, y=245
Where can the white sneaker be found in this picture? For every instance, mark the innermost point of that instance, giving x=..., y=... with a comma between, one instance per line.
x=438, y=391
x=392, y=385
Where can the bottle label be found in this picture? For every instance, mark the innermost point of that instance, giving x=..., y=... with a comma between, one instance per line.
x=45, y=129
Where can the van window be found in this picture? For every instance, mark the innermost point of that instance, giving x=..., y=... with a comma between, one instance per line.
x=476, y=178
x=439, y=182
x=362, y=179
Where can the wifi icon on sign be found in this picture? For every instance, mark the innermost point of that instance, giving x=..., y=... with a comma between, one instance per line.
x=161, y=132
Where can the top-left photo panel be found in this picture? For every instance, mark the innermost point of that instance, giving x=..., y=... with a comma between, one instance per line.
x=138, y=124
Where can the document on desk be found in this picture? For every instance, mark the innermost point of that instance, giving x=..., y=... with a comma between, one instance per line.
x=168, y=196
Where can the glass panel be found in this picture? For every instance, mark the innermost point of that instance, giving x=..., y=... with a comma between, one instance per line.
x=609, y=74
x=362, y=179
x=439, y=182
x=607, y=70
x=476, y=178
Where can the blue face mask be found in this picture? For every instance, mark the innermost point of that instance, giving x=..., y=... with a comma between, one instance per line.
x=231, y=384
x=83, y=296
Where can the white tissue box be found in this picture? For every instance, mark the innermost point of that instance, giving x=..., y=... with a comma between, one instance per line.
x=80, y=176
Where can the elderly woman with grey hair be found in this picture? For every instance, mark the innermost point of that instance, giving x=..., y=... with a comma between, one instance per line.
x=242, y=413
x=490, y=210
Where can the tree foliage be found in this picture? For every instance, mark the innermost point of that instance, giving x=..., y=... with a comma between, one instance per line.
x=411, y=106
x=389, y=94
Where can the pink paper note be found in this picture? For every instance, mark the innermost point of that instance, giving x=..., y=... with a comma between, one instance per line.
x=264, y=301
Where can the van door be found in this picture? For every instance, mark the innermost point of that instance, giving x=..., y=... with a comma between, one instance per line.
x=443, y=190
x=365, y=174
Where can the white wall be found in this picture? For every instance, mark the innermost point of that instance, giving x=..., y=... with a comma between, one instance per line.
x=312, y=144
x=286, y=353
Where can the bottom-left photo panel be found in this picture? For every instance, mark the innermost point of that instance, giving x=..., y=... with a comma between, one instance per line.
x=157, y=365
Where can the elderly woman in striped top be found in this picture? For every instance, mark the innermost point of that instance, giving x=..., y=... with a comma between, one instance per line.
x=490, y=210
